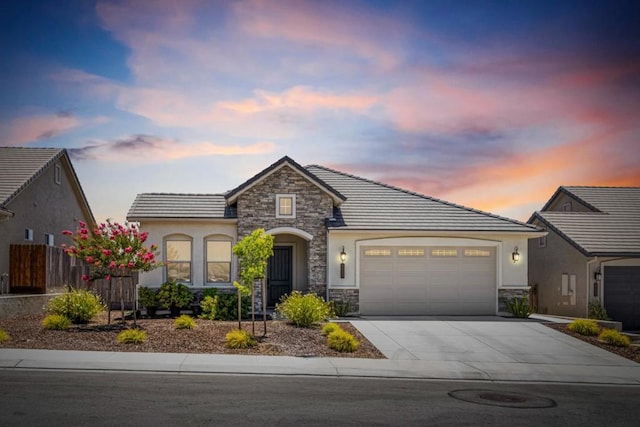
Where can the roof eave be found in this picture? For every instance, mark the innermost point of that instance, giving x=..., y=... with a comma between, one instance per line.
x=537, y=216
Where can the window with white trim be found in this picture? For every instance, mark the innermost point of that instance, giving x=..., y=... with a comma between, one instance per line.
x=28, y=234
x=178, y=259
x=218, y=260
x=285, y=206
x=48, y=239
x=57, y=174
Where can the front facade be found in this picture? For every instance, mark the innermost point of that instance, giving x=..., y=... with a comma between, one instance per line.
x=40, y=196
x=402, y=253
x=591, y=255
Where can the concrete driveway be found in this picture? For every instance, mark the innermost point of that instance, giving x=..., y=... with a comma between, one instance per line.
x=510, y=349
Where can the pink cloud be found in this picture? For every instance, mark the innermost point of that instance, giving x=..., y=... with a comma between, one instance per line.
x=34, y=128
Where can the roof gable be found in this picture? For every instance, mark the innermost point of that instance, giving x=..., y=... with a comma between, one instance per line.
x=232, y=196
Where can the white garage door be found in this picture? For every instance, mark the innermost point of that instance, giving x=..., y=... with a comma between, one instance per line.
x=425, y=280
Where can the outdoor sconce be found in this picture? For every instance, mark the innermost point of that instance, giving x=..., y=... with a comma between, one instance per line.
x=515, y=256
x=597, y=275
x=343, y=258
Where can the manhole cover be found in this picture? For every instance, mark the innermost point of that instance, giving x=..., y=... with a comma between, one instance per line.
x=506, y=399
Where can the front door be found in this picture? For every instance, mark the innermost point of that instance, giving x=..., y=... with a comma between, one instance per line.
x=279, y=272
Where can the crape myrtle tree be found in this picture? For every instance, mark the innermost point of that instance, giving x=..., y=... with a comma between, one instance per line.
x=253, y=253
x=112, y=250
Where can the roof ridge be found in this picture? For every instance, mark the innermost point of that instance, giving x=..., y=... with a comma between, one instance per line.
x=424, y=196
x=601, y=186
x=181, y=194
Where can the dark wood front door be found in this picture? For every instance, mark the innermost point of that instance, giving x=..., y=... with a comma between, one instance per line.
x=279, y=272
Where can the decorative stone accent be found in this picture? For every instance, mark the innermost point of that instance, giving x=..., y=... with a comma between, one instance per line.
x=257, y=209
x=20, y=305
x=351, y=295
x=508, y=294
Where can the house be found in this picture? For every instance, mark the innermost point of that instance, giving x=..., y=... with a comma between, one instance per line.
x=40, y=196
x=591, y=254
x=387, y=250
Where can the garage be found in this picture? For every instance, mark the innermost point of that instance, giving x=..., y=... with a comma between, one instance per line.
x=622, y=295
x=427, y=280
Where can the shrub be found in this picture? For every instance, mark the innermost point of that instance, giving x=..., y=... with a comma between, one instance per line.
x=341, y=307
x=597, y=311
x=132, y=336
x=342, y=341
x=613, y=337
x=330, y=327
x=79, y=306
x=4, y=336
x=148, y=297
x=519, y=307
x=56, y=322
x=209, y=307
x=584, y=327
x=185, y=322
x=227, y=308
x=172, y=295
x=304, y=310
x=240, y=339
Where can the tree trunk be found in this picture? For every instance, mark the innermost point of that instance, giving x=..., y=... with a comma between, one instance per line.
x=121, y=283
x=239, y=309
x=109, y=301
x=264, y=305
x=253, y=308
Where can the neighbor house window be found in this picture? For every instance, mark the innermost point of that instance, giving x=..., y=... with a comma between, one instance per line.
x=48, y=239
x=542, y=242
x=218, y=261
x=57, y=174
x=566, y=207
x=28, y=234
x=285, y=206
x=178, y=260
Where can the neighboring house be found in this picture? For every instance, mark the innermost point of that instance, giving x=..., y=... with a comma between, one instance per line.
x=404, y=253
x=40, y=196
x=591, y=254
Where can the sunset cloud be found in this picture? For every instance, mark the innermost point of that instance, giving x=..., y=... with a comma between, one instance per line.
x=29, y=129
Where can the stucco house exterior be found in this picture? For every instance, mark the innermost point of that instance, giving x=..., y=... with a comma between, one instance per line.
x=388, y=250
x=40, y=196
x=591, y=253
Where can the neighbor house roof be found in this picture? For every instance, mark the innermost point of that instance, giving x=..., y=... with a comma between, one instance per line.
x=612, y=228
x=20, y=166
x=365, y=205
x=371, y=205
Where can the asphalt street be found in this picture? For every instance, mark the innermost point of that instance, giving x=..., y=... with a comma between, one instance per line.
x=53, y=398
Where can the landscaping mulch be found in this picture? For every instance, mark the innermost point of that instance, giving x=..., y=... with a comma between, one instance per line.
x=631, y=353
x=282, y=338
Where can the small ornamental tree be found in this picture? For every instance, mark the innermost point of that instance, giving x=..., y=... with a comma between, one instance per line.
x=112, y=250
x=253, y=252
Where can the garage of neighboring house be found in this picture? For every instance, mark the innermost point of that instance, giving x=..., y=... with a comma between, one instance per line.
x=622, y=295
x=427, y=280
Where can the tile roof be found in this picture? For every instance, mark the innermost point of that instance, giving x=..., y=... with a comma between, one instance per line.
x=372, y=205
x=165, y=205
x=19, y=166
x=613, y=229
x=365, y=205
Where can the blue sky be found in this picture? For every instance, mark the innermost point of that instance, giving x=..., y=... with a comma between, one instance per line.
x=489, y=104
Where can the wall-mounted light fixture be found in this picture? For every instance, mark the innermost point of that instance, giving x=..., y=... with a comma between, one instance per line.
x=597, y=275
x=343, y=258
x=515, y=255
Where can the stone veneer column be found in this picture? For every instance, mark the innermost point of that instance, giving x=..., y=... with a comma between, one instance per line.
x=257, y=209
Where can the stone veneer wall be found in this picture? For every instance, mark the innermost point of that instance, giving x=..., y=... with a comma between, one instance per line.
x=505, y=295
x=20, y=305
x=257, y=209
x=351, y=295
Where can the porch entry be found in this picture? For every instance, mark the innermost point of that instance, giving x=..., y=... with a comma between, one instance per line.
x=279, y=274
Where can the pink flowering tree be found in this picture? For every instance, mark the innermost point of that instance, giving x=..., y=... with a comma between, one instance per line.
x=112, y=250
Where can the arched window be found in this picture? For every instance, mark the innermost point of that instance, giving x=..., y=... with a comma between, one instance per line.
x=218, y=259
x=177, y=257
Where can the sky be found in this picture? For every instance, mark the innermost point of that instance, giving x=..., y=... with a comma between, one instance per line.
x=488, y=104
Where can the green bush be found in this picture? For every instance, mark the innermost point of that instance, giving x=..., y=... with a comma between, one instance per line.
x=304, y=310
x=79, y=306
x=132, y=336
x=240, y=339
x=185, y=322
x=209, y=307
x=172, y=295
x=4, y=336
x=597, y=311
x=519, y=307
x=613, y=337
x=342, y=341
x=56, y=322
x=148, y=297
x=228, y=306
x=341, y=307
x=584, y=327
x=330, y=327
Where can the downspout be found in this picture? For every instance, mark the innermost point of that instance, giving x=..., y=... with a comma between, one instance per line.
x=588, y=280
